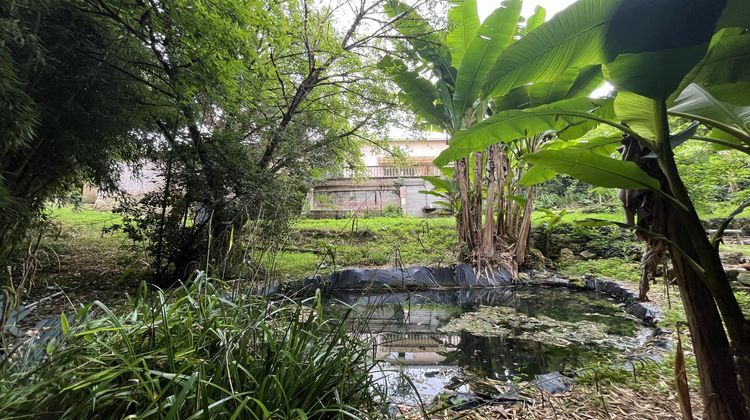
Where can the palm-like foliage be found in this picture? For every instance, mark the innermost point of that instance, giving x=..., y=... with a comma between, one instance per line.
x=687, y=59
x=454, y=83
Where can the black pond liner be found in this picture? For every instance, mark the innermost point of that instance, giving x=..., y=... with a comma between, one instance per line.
x=388, y=285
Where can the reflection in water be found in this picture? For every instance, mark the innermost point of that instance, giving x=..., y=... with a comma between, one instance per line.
x=404, y=329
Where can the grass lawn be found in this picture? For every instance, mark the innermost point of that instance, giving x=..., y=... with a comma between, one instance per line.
x=326, y=245
x=84, y=217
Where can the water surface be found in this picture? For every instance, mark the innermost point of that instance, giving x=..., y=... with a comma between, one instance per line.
x=455, y=339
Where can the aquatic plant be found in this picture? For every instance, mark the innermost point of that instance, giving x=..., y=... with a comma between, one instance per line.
x=505, y=322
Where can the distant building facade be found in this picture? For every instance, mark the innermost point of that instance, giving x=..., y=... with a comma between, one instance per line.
x=387, y=186
x=135, y=183
x=384, y=187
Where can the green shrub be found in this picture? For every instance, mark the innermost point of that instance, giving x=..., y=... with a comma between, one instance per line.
x=392, y=211
x=202, y=352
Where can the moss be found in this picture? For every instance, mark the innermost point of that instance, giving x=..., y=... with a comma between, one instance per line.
x=615, y=268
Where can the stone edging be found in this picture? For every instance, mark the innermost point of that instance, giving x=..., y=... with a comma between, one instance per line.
x=644, y=311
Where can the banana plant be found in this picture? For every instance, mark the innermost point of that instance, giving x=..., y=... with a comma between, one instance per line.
x=443, y=79
x=683, y=58
x=446, y=190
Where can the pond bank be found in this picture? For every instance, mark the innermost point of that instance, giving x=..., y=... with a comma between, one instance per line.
x=420, y=299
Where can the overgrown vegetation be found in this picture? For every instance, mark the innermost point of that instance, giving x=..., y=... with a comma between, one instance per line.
x=241, y=106
x=613, y=268
x=202, y=350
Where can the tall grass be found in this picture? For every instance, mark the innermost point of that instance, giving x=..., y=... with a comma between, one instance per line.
x=200, y=352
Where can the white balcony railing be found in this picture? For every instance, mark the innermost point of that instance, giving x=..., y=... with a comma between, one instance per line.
x=390, y=172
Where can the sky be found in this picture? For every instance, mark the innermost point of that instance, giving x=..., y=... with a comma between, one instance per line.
x=486, y=7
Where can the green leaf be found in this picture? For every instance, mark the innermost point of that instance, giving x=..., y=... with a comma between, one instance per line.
x=417, y=92
x=572, y=38
x=510, y=125
x=491, y=38
x=638, y=112
x=536, y=19
x=431, y=192
x=736, y=14
x=604, y=145
x=51, y=346
x=594, y=169
x=521, y=200
x=697, y=103
x=653, y=74
x=725, y=62
x=439, y=183
x=731, y=93
x=418, y=32
x=536, y=175
x=571, y=83
x=64, y=325
x=463, y=21
x=589, y=79
x=651, y=46
x=579, y=128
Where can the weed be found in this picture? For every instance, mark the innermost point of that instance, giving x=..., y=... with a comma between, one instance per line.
x=203, y=351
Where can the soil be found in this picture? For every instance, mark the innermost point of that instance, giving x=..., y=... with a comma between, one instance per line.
x=77, y=267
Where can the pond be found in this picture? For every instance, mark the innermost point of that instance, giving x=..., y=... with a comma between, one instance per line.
x=457, y=339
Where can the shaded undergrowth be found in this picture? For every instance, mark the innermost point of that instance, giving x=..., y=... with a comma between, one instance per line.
x=202, y=351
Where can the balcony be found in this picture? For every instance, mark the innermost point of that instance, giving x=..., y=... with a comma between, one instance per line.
x=390, y=172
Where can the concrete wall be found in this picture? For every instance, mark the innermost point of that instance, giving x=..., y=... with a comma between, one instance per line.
x=419, y=150
x=341, y=197
x=131, y=182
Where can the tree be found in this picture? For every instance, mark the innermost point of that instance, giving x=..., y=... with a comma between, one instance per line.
x=62, y=114
x=651, y=64
x=443, y=78
x=253, y=100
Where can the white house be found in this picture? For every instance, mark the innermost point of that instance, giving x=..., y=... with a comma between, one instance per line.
x=387, y=185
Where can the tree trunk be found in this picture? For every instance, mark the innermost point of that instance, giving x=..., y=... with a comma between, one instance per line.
x=687, y=232
x=524, y=230
x=714, y=277
x=500, y=171
x=463, y=224
x=716, y=368
x=700, y=283
x=477, y=200
x=488, y=229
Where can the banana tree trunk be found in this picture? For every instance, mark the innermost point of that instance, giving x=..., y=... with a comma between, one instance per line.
x=500, y=174
x=716, y=369
x=524, y=230
x=703, y=295
x=463, y=224
x=714, y=278
x=476, y=207
x=488, y=229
